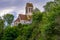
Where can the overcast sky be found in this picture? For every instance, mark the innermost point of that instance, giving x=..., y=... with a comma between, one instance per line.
x=16, y=7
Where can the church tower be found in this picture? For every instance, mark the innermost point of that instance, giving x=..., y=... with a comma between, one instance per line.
x=29, y=8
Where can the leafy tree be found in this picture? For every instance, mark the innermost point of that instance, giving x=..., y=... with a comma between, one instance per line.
x=52, y=12
x=8, y=18
x=37, y=15
x=1, y=27
x=20, y=38
x=25, y=32
x=49, y=6
x=1, y=24
x=57, y=1
x=10, y=33
x=37, y=18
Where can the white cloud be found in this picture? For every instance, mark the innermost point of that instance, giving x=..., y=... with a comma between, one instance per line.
x=5, y=11
x=13, y=10
x=20, y=10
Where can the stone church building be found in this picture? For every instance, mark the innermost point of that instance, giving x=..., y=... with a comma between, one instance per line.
x=27, y=18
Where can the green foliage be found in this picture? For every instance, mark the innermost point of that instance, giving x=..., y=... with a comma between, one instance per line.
x=57, y=1
x=1, y=27
x=49, y=6
x=8, y=18
x=20, y=38
x=51, y=28
x=10, y=33
x=37, y=16
x=45, y=25
x=1, y=24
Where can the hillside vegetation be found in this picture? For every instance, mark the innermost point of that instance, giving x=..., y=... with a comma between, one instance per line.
x=45, y=25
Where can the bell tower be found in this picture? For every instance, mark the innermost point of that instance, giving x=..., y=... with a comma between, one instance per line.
x=29, y=8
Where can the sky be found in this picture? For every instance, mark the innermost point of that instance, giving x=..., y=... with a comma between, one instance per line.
x=16, y=7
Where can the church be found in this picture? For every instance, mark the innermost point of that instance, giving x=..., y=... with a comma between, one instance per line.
x=27, y=18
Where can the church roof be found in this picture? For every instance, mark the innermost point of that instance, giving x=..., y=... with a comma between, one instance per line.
x=17, y=20
x=23, y=17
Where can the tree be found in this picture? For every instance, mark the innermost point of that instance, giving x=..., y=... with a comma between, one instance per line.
x=10, y=33
x=57, y=1
x=49, y=6
x=21, y=38
x=37, y=18
x=52, y=13
x=1, y=24
x=8, y=18
x=37, y=15
x=1, y=27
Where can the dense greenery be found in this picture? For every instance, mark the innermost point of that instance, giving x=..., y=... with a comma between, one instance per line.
x=8, y=18
x=1, y=27
x=45, y=25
